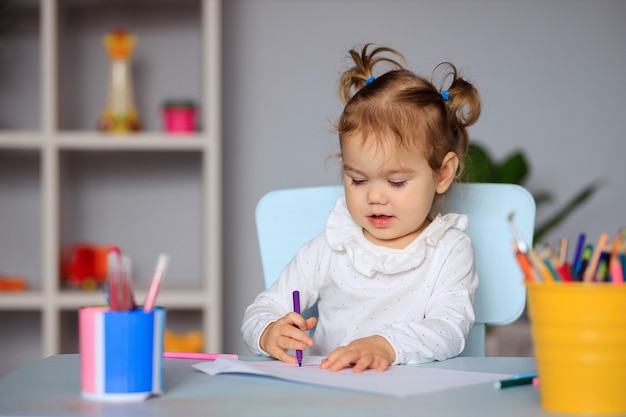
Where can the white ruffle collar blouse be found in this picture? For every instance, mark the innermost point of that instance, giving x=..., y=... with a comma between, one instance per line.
x=344, y=235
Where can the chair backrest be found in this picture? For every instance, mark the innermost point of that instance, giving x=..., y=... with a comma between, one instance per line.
x=287, y=219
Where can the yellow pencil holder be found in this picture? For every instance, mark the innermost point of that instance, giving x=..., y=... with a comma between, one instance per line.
x=579, y=336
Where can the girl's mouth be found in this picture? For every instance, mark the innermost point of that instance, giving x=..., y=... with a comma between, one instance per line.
x=379, y=220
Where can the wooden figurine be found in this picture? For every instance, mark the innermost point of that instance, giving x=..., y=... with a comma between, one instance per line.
x=120, y=114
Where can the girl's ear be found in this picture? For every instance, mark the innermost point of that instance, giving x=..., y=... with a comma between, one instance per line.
x=447, y=172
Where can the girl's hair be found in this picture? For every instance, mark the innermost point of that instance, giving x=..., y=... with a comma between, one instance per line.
x=405, y=108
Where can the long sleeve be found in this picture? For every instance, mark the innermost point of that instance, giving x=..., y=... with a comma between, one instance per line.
x=276, y=301
x=439, y=331
x=419, y=298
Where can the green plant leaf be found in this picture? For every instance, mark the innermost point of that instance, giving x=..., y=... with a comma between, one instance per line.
x=514, y=169
x=572, y=205
x=479, y=166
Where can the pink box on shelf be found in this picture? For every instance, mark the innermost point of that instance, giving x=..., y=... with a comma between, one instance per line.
x=179, y=117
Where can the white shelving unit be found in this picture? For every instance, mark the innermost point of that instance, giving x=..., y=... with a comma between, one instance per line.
x=62, y=182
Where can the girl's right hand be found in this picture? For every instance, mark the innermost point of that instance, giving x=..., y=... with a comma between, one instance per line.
x=285, y=334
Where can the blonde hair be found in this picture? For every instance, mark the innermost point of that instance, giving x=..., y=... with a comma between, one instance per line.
x=403, y=107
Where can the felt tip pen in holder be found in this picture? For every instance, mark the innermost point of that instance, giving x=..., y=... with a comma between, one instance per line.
x=153, y=291
x=128, y=299
x=517, y=380
x=296, y=308
x=112, y=284
x=118, y=291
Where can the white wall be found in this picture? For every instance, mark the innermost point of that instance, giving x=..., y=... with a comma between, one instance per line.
x=551, y=75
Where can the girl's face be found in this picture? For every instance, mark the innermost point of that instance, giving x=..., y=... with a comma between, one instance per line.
x=390, y=193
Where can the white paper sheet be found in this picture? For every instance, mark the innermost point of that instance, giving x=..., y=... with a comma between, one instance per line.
x=397, y=381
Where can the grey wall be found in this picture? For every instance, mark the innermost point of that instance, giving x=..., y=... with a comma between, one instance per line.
x=551, y=75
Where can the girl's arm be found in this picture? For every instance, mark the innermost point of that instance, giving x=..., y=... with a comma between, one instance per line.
x=274, y=306
x=441, y=332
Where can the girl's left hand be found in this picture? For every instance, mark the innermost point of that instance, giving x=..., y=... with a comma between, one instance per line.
x=373, y=352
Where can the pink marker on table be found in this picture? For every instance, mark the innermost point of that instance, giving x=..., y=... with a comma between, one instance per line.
x=153, y=291
x=198, y=355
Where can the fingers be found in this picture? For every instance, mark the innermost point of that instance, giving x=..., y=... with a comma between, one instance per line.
x=310, y=323
x=286, y=334
x=370, y=362
x=282, y=356
x=368, y=353
x=344, y=357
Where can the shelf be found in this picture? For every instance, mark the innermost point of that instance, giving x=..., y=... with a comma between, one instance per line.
x=89, y=140
x=145, y=202
x=20, y=140
x=170, y=299
x=166, y=62
x=133, y=142
x=63, y=182
x=23, y=301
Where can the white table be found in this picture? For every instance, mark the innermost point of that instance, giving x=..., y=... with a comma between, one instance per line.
x=51, y=387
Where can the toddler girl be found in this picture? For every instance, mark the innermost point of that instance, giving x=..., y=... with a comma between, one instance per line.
x=394, y=280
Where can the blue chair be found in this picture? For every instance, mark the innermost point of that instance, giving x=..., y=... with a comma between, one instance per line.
x=287, y=219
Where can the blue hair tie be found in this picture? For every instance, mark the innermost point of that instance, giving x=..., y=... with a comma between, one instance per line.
x=445, y=95
x=369, y=80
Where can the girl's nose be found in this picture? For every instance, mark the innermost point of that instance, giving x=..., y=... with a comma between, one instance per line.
x=376, y=194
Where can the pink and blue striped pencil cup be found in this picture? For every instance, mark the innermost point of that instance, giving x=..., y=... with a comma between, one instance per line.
x=121, y=353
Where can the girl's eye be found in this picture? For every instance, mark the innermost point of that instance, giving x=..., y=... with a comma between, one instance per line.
x=357, y=182
x=397, y=184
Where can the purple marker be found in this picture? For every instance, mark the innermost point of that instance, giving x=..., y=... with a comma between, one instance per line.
x=296, y=308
